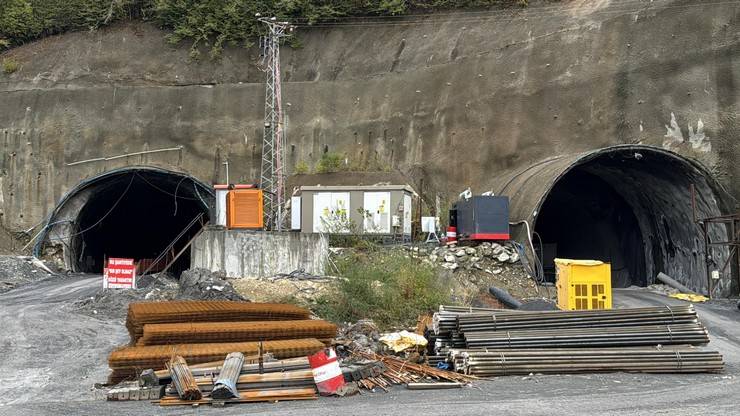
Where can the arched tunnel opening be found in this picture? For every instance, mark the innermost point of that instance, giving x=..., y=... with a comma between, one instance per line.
x=146, y=214
x=585, y=218
x=629, y=205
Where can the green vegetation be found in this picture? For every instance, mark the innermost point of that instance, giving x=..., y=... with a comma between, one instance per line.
x=301, y=168
x=10, y=65
x=25, y=20
x=331, y=163
x=211, y=24
x=384, y=286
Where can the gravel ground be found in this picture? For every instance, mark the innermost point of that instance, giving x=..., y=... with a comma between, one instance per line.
x=52, y=356
x=18, y=270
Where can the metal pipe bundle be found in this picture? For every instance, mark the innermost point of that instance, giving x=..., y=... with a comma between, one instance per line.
x=129, y=361
x=208, y=370
x=211, y=332
x=225, y=386
x=259, y=382
x=507, y=321
x=183, y=379
x=561, y=361
x=445, y=321
x=693, y=334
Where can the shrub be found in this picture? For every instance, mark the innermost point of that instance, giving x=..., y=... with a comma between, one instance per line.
x=301, y=168
x=387, y=287
x=330, y=163
x=10, y=65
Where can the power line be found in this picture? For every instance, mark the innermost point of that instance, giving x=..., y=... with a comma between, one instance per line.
x=106, y=214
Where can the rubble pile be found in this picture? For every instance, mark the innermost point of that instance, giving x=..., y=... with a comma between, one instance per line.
x=202, y=284
x=480, y=257
x=197, y=284
x=473, y=269
x=112, y=303
x=363, y=335
x=19, y=270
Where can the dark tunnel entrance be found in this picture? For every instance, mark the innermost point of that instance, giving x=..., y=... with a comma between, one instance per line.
x=138, y=214
x=585, y=218
x=629, y=205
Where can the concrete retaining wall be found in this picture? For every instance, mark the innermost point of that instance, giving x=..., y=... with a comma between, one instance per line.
x=241, y=253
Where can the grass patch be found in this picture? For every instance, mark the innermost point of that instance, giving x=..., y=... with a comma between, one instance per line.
x=385, y=286
x=301, y=168
x=10, y=65
x=331, y=163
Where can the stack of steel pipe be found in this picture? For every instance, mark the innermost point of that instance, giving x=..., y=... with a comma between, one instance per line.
x=258, y=382
x=580, y=360
x=142, y=313
x=452, y=340
x=211, y=369
x=506, y=321
x=269, y=395
x=130, y=361
x=445, y=321
x=587, y=336
x=209, y=332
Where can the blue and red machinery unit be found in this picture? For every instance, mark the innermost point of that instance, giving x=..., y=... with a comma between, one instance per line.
x=481, y=218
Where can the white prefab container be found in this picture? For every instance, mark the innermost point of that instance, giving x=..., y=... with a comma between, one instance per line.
x=375, y=209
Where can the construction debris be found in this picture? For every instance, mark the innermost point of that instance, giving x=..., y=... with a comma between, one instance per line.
x=403, y=340
x=132, y=391
x=202, y=284
x=399, y=371
x=19, y=270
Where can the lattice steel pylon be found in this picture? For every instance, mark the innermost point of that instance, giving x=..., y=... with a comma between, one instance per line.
x=272, y=178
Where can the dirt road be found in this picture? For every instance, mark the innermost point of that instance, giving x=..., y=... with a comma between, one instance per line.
x=50, y=357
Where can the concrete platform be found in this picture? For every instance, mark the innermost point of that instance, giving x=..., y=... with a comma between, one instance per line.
x=246, y=253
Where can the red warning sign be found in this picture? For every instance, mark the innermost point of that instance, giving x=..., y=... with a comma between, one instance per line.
x=119, y=274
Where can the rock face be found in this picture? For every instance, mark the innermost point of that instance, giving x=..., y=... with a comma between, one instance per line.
x=417, y=95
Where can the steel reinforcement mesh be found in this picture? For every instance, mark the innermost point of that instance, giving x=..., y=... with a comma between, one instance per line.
x=142, y=313
x=130, y=361
x=209, y=332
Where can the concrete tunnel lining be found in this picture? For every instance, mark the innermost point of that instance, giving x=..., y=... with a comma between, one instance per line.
x=655, y=184
x=129, y=212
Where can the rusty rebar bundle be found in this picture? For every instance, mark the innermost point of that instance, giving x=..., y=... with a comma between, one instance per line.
x=183, y=379
x=208, y=332
x=142, y=313
x=130, y=361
